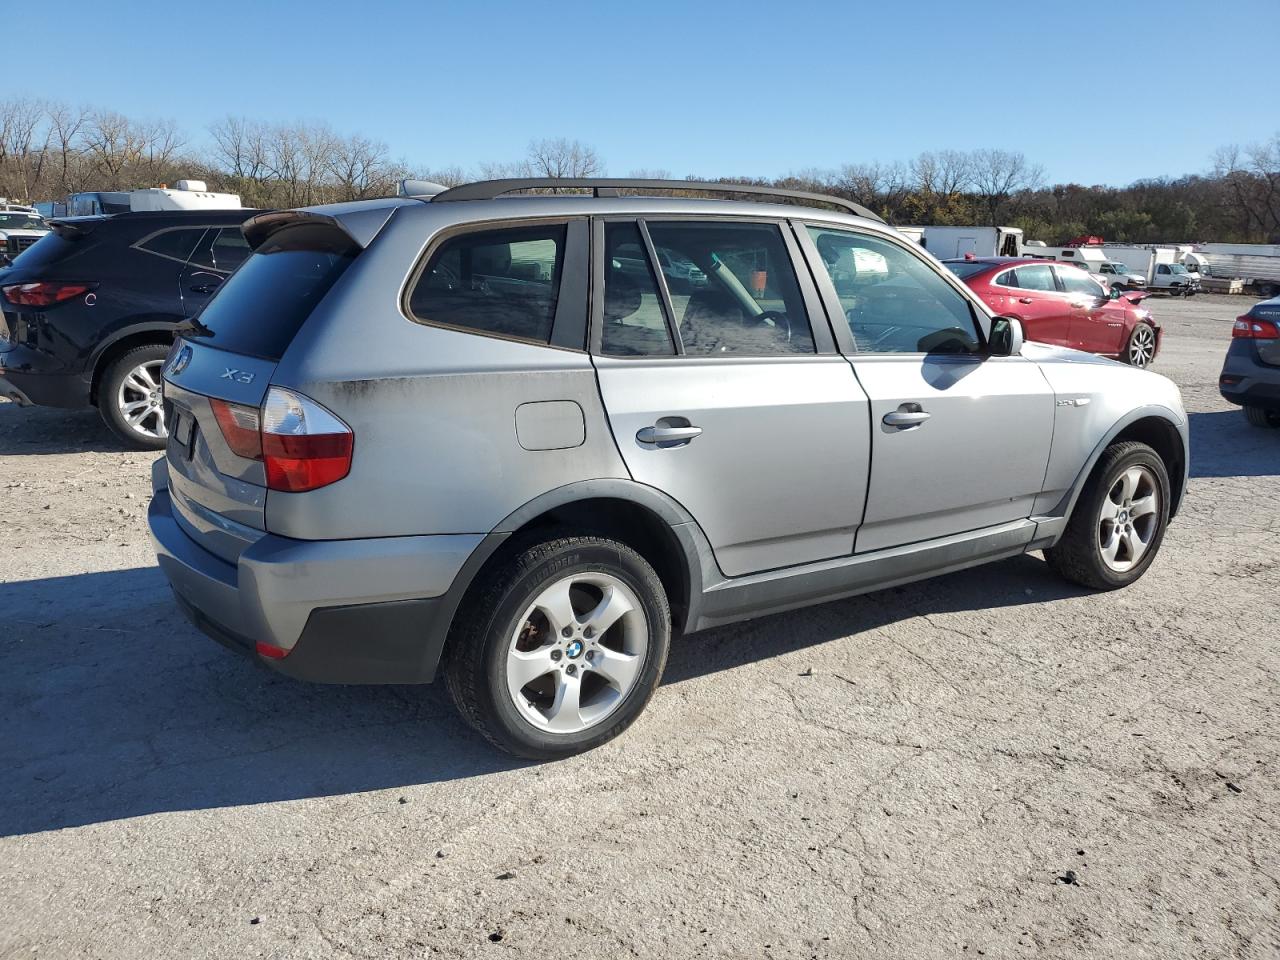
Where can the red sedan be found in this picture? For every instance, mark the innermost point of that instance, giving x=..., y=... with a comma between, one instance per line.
x=1061, y=304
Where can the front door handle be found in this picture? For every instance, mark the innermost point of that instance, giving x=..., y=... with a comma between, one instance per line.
x=667, y=436
x=906, y=416
x=1026, y=300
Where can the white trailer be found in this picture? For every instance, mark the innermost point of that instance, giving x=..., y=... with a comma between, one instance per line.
x=1092, y=258
x=914, y=234
x=185, y=195
x=1255, y=265
x=1159, y=266
x=948, y=242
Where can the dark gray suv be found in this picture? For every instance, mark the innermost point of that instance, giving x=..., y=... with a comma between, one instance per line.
x=521, y=440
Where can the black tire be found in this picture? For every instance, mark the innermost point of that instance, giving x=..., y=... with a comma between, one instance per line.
x=109, y=390
x=1262, y=417
x=476, y=655
x=1077, y=556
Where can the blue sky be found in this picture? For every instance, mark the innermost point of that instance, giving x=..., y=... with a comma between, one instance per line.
x=1114, y=92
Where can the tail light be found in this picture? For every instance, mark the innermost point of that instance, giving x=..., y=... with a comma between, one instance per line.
x=240, y=428
x=1251, y=328
x=301, y=444
x=44, y=294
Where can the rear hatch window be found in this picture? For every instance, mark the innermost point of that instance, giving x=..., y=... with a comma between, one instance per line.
x=262, y=307
x=46, y=251
x=964, y=269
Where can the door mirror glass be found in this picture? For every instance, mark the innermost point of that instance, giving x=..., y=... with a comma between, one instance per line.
x=1114, y=293
x=1006, y=337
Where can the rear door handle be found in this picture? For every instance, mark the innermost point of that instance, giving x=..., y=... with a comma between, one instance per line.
x=906, y=416
x=1026, y=300
x=667, y=436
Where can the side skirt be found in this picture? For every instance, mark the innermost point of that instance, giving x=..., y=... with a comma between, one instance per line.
x=759, y=594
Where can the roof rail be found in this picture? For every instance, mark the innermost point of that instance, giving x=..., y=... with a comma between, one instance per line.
x=609, y=187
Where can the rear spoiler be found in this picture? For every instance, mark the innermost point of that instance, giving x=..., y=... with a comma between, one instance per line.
x=75, y=229
x=359, y=221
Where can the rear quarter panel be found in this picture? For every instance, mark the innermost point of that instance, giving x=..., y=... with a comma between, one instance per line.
x=433, y=411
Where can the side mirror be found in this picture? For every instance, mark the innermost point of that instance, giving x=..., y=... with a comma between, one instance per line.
x=1114, y=293
x=1006, y=337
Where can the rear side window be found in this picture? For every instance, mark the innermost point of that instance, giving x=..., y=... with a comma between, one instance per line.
x=1036, y=276
x=223, y=249
x=499, y=282
x=263, y=306
x=733, y=289
x=173, y=244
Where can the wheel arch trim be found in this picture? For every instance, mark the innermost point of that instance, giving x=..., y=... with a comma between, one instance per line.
x=1147, y=412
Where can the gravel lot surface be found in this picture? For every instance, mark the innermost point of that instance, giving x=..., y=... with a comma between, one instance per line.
x=991, y=763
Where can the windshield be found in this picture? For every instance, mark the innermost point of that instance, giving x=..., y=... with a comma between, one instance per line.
x=964, y=269
x=21, y=221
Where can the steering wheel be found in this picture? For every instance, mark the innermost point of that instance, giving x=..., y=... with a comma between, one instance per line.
x=781, y=322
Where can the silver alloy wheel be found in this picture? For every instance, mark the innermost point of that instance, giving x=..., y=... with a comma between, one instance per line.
x=140, y=400
x=1142, y=345
x=1129, y=518
x=578, y=651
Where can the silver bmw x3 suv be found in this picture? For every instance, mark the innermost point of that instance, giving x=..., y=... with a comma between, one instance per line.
x=516, y=440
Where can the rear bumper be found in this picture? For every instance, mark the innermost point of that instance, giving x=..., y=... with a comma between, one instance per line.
x=1246, y=381
x=349, y=611
x=26, y=385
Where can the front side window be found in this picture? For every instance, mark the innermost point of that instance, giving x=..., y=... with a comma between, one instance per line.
x=894, y=301
x=733, y=289
x=634, y=322
x=502, y=282
x=1036, y=276
x=1077, y=281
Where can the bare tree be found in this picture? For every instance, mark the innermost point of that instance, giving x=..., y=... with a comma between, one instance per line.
x=996, y=175
x=359, y=167
x=24, y=139
x=561, y=157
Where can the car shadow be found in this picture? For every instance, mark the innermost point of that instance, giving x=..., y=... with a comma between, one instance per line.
x=1021, y=580
x=114, y=707
x=25, y=431
x=1223, y=444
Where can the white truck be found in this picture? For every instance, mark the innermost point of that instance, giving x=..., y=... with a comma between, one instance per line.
x=948, y=242
x=1091, y=258
x=184, y=195
x=1256, y=265
x=1157, y=265
x=20, y=227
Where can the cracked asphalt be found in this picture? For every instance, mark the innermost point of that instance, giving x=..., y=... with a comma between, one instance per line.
x=992, y=763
